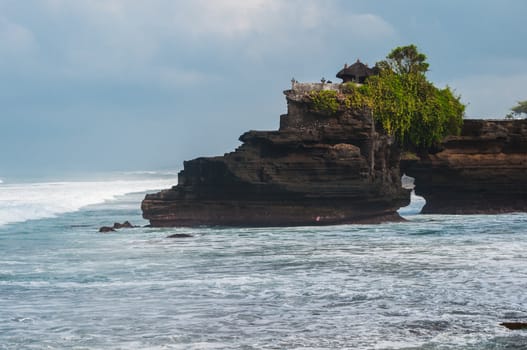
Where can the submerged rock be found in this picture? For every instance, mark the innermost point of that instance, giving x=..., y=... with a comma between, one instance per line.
x=116, y=226
x=106, y=229
x=514, y=325
x=319, y=168
x=125, y=224
x=180, y=235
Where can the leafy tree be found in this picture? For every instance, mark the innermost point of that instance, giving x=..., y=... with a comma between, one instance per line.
x=406, y=104
x=520, y=108
x=405, y=60
x=401, y=99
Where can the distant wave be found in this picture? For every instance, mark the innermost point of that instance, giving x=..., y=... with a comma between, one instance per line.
x=1, y=181
x=151, y=172
x=28, y=201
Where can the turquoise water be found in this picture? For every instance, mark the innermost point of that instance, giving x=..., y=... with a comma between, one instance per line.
x=435, y=282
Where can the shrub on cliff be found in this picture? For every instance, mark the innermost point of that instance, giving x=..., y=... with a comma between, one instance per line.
x=401, y=99
x=331, y=102
x=520, y=108
x=407, y=105
x=412, y=109
x=325, y=101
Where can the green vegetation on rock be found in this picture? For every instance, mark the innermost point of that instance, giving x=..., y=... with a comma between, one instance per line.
x=405, y=60
x=401, y=99
x=407, y=105
x=325, y=101
x=520, y=108
x=330, y=102
x=412, y=109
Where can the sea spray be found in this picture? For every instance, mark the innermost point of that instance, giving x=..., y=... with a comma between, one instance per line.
x=27, y=201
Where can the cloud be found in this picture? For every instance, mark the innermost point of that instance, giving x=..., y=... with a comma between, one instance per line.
x=178, y=43
x=233, y=19
x=15, y=39
x=371, y=26
x=122, y=37
x=228, y=19
x=262, y=29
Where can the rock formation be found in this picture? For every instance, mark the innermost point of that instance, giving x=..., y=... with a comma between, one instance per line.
x=514, y=325
x=116, y=226
x=125, y=224
x=180, y=235
x=482, y=171
x=319, y=168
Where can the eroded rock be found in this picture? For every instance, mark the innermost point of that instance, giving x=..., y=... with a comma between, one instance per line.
x=317, y=169
x=482, y=171
x=125, y=224
x=116, y=226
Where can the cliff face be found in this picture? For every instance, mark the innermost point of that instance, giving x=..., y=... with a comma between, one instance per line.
x=317, y=169
x=482, y=171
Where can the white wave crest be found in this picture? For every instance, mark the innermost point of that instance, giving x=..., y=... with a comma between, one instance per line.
x=416, y=205
x=28, y=201
x=152, y=172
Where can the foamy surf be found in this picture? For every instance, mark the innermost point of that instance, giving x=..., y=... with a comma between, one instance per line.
x=416, y=204
x=30, y=201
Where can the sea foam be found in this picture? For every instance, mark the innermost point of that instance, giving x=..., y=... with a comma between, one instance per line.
x=28, y=201
x=416, y=204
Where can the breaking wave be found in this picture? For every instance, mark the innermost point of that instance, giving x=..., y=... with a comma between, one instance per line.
x=29, y=201
x=416, y=205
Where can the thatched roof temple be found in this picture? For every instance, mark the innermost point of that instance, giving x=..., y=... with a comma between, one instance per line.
x=357, y=72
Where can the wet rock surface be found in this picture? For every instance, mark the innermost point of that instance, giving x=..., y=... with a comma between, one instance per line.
x=116, y=226
x=514, y=325
x=125, y=224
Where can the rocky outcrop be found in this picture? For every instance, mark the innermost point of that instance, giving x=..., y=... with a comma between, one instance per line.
x=317, y=169
x=116, y=226
x=514, y=325
x=482, y=171
x=125, y=224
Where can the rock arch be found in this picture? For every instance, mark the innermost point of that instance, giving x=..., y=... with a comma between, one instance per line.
x=482, y=171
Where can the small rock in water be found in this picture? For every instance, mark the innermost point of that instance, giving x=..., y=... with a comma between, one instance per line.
x=125, y=224
x=514, y=325
x=180, y=235
x=116, y=226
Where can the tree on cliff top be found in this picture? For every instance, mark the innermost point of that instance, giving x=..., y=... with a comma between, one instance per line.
x=520, y=108
x=407, y=105
x=401, y=99
x=405, y=60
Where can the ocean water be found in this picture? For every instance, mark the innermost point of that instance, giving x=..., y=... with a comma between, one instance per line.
x=434, y=282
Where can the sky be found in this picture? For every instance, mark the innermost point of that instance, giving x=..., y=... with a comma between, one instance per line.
x=107, y=85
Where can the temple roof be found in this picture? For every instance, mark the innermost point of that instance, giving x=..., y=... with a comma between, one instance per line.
x=356, y=71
